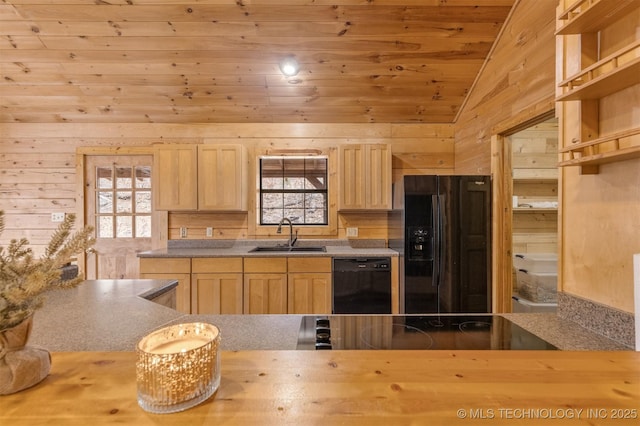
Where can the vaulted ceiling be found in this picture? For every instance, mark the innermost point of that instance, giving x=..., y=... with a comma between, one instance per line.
x=216, y=61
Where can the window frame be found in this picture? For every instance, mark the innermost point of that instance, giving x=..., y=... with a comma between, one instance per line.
x=302, y=191
x=296, y=147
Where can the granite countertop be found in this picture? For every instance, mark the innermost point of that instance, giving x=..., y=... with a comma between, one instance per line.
x=242, y=248
x=113, y=315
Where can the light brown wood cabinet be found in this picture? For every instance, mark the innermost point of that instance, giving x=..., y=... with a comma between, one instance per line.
x=265, y=285
x=175, y=177
x=167, y=299
x=222, y=177
x=365, y=174
x=251, y=285
x=206, y=177
x=309, y=285
x=171, y=268
x=600, y=58
x=216, y=285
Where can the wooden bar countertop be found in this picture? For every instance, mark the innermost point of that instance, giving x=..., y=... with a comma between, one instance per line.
x=351, y=388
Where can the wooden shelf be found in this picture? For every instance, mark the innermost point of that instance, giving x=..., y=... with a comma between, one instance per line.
x=607, y=157
x=589, y=16
x=585, y=86
x=535, y=209
x=583, y=157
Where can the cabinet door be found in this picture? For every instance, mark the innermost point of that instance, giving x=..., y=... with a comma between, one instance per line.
x=265, y=293
x=216, y=293
x=352, y=177
x=378, y=176
x=222, y=177
x=365, y=177
x=309, y=293
x=183, y=291
x=171, y=269
x=175, y=176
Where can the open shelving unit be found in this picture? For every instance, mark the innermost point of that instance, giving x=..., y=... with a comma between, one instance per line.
x=534, y=156
x=590, y=16
x=602, y=77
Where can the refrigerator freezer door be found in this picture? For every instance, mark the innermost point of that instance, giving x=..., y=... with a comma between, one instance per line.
x=452, y=214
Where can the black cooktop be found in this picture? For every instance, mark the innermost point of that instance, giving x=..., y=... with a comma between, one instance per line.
x=477, y=332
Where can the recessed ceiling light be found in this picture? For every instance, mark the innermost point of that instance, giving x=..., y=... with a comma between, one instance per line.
x=289, y=66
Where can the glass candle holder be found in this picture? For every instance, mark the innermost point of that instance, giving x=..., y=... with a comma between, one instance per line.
x=178, y=367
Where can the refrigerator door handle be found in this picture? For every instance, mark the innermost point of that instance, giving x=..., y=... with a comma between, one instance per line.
x=442, y=241
x=435, y=212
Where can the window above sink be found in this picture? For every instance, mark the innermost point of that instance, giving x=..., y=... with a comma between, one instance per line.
x=294, y=187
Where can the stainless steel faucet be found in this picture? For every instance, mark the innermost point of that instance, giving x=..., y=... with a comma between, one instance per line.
x=292, y=239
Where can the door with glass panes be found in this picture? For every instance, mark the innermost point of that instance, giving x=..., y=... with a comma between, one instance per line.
x=118, y=205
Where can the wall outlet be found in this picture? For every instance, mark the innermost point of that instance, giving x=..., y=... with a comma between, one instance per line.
x=352, y=232
x=209, y=231
x=183, y=232
x=57, y=217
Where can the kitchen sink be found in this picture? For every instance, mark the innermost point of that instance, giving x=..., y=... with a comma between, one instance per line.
x=288, y=249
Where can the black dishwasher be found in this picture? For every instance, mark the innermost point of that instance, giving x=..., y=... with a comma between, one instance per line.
x=361, y=285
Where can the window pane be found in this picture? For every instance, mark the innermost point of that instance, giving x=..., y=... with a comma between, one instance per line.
x=294, y=183
x=143, y=177
x=315, y=201
x=270, y=201
x=105, y=227
x=316, y=173
x=316, y=216
x=104, y=177
x=294, y=200
x=272, y=183
x=315, y=182
x=143, y=226
x=271, y=173
x=271, y=216
x=296, y=215
x=143, y=202
x=123, y=177
x=105, y=201
x=124, y=227
x=294, y=173
x=124, y=204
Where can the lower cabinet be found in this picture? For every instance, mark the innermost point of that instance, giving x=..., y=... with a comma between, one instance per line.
x=173, y=269
x=309, y=285
x=251, y=285
x=265, y=285
x=216, y=285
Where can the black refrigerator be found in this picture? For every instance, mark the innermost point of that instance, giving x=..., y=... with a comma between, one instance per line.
x=446, y=244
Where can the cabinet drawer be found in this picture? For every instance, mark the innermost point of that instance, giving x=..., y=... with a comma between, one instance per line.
x=309, y=264
x=265, y=264
x=216, y=265
x=165, y=265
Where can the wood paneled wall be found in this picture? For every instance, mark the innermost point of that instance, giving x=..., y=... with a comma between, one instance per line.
x=38, y=173
x=515, y=85
x=600, y=220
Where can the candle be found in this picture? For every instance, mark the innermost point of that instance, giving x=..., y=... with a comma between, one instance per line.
x=178, y=367
x=181, y=345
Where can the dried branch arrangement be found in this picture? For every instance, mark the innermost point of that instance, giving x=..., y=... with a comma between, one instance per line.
x=24, y=278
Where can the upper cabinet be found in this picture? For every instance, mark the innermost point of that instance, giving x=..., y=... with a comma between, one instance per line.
x=205, y=177
x=600, y=59
x=175, y=175
x=222, y=177
x=365, y=175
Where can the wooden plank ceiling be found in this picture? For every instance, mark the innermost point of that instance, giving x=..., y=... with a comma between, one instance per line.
x=208, y=61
